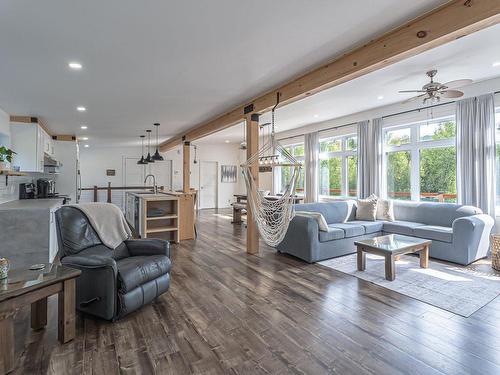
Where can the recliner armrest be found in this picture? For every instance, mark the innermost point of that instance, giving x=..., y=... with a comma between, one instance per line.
x=148, y=246
x=90, y=261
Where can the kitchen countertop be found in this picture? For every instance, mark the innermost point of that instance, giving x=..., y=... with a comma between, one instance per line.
x=32, y=204
x=153, y=197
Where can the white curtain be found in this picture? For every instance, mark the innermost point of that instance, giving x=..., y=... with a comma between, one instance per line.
x=475, y=139
x=311, y=166
x=369, y=157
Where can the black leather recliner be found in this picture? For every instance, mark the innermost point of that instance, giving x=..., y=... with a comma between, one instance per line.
x=115, y=282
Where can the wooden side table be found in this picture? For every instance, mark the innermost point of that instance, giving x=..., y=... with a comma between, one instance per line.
x=25, y=287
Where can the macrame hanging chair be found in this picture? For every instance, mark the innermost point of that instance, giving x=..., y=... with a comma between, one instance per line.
x=271, y=215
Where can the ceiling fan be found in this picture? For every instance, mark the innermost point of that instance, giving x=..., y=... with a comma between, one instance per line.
x=434, y=91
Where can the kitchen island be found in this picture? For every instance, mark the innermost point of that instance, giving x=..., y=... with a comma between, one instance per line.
x=153, y=215
x=28, y=231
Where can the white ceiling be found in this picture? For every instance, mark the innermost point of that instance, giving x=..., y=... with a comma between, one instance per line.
x=177, y=62
x=468, y=57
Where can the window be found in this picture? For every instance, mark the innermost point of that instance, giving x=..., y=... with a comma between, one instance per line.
x=420, y=161
x=285, y=173
x=338, y=167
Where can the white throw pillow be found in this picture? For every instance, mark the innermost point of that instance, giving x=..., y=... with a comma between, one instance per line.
x=367, y=208
x=322, y=224
x=385, y=209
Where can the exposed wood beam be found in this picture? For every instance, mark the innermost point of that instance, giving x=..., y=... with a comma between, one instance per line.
x=64, y=137
x=451, y=21
x=31, y=120
x=252, y=121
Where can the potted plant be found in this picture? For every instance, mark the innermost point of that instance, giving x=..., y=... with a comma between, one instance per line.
x=5, y=156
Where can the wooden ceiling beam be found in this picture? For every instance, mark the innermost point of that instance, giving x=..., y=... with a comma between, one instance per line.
x=451, y=21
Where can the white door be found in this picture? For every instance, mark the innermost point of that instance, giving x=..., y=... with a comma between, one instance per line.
x=208, y=184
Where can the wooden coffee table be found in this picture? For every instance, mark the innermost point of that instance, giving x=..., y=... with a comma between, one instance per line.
x=391, y=247
x=24, y=287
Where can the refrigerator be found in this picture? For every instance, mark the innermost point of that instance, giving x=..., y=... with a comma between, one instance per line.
x=69, y=179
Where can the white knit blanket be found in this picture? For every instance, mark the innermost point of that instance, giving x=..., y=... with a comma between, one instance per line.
x=108, y=221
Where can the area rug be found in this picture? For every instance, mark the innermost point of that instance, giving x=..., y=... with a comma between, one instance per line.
x=460, y=290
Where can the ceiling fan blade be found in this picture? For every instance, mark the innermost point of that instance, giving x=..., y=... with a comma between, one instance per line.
x=458, y=83
x=451, y=94
x=404, y=91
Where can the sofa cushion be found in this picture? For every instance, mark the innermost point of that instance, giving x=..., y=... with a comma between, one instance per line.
x=350, y=229
x=367, y=208
x=401, y=227
x=370, y=226
x=138, y=270
x=333, y=212
x=331, y=234
x=434, y=232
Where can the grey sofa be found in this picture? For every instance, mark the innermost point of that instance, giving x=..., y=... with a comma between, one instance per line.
x=459, y=234
x=115, y=282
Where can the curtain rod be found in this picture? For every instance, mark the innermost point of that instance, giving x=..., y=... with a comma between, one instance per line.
x=387, y=116
x=321, y=130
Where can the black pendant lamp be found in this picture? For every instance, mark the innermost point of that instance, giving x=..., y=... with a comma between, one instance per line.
x=157, y=156
x=142, y=160
x=149, y=159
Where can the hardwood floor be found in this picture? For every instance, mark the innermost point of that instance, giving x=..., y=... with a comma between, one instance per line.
x=227, y=312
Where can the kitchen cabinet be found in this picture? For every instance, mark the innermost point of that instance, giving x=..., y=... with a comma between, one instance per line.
x=31, y=144
x=28, y=141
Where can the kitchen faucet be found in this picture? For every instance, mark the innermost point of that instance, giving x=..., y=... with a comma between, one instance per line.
x=155, y=187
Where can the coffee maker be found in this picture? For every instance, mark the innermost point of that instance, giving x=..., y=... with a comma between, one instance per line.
x=42, y=188
x=27, y=191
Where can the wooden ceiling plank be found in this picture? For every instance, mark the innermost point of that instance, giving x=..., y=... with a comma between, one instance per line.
x=453, y=20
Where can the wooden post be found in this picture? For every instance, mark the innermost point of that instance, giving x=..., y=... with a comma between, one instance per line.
x=109, y=192
x=252, y=121
x=96, y=194
x=186, y=170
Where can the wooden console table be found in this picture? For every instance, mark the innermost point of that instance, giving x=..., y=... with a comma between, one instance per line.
x=24, y=287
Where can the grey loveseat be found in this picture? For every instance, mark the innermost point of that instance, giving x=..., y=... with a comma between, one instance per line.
x=459, y=234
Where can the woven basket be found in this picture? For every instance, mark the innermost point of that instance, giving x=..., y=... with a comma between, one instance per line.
x=495, y=251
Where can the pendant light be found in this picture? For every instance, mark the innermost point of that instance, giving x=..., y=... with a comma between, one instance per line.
x=149, y=159
x=157, y=155
x=142, y=161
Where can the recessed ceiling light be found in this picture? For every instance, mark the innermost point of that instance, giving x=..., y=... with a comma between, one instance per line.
x=83, y=127
x=227, y=140
x=380, y=97
x=495, y=64
x=316, y=116
x=86, y=146
x=81, y=109
x=84, y=138
x=75, y=65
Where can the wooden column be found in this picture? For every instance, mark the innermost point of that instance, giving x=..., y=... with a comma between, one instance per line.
x=186, y=170
x=252, y=121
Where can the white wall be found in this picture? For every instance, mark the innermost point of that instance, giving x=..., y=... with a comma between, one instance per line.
x=223, y=154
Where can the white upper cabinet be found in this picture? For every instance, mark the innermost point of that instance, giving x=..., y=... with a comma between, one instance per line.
x=29, y=143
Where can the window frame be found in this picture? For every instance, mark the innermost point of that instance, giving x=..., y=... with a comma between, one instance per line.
x=414, y=146
x=300, y=159
x=497, y=167
x=344, y=153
